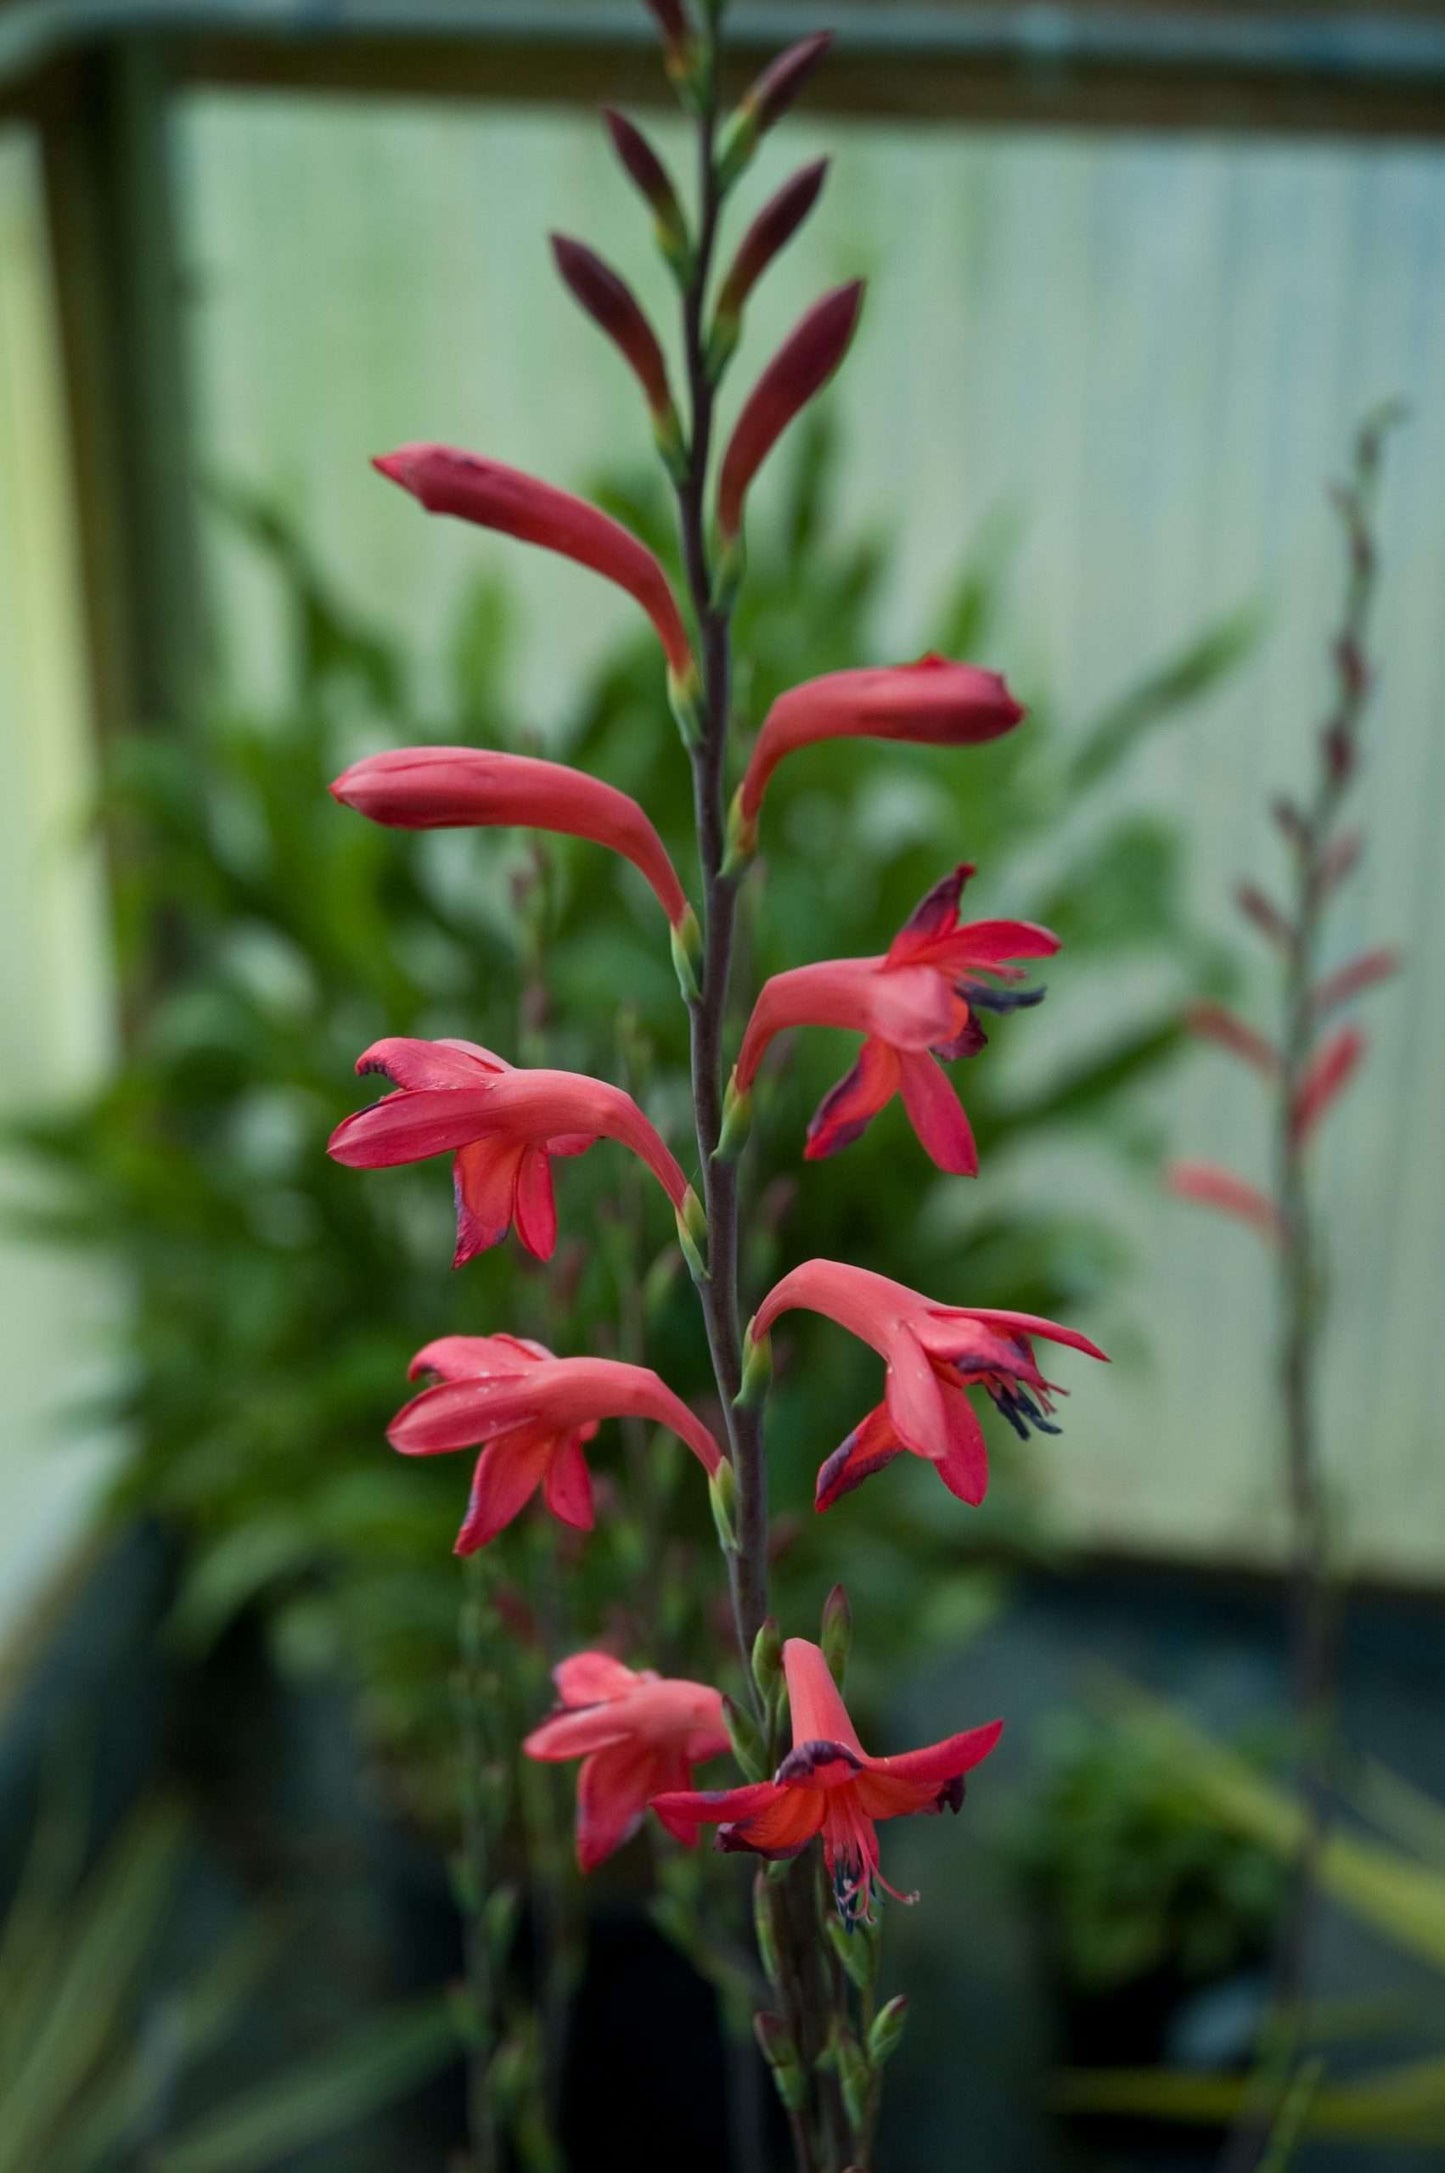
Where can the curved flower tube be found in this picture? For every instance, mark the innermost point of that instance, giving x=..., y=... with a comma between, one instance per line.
x=530, y=1414
x=828, y=1784
x=932, y=1354
x=515, y=504
x=915, y=1005
x=615, y=310
x=502, y=1125
x=933, y=702
x=452, y=788
x=638, y=1735
x=771, y=231
x=801, y=367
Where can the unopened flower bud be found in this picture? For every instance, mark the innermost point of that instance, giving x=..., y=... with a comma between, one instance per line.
x=766, y=101
x=781, y=2054
x=722, y=1494
x=737, y=1122
x=687, y=954
x=651, y=177
x=854, y=2074
x=692, y=1234
x=888, y=2025
x=757, y=1371
x=746, y=1740
x=684, y=692
x=837, y=1638
x=768, y=1661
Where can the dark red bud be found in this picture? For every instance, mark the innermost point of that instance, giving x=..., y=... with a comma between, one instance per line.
x=772, y=229
x=801, y=367
x=611, y=304
x=671, y=19
x=1265, y=916
x=646, y=170
x=782, y=80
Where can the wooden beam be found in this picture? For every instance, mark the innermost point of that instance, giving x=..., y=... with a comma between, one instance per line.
x=106, y=152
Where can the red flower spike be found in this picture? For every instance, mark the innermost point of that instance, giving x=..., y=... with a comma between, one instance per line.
x=646, y=170
x=1210, y=1186
x=450, y=788
x=515, y=504
x=1341, y=987
x=531, y=1415
x=932, y=703
x=1213, y=1022
x=638, y=1735
x=614, y=308
x=772, y=230
x=1329, y=1072
x=802, y=366
x=933, y=1353
x=829, y=1785
x=913, y=1006
x=503, y=1126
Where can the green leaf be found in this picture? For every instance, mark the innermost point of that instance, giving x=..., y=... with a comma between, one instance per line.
x=1196, y=670
x=368, y=2070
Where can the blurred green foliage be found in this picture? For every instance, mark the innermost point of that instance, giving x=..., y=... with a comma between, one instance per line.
x=102, y=2038
x=1132, y=1875
x=277, y=1298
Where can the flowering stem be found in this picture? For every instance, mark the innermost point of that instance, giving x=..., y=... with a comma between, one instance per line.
x=1302, y=1294
x=471, y=1702
x=803, y=1993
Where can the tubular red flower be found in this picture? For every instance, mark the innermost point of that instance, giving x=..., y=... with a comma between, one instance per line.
x=772, y=230
x=638, y=1735
x=802, y=366
x=914, y=1005
x=530, y=1414
x=829, y=1785
x=502, y=1125
x=932, y=1354
x=447, y=788
x=1210, y=1186
x=515, y=504
x=611, y=304
x=933, y=703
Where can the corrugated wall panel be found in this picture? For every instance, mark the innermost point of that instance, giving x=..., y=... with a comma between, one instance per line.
x=1154, y=350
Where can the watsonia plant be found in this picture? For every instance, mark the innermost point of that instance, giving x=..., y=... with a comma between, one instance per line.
x=810, y=1798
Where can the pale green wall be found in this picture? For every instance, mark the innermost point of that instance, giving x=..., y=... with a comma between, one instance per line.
x=1155, y=350
x=55, y=1312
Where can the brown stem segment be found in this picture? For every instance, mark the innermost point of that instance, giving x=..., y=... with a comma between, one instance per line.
x=1312, y=1642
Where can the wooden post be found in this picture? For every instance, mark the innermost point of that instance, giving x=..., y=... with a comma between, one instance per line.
x=104, y=125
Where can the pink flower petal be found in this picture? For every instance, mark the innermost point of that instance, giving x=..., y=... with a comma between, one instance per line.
x=535, y=1204
x=847, y=1110
x=937, y=1115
